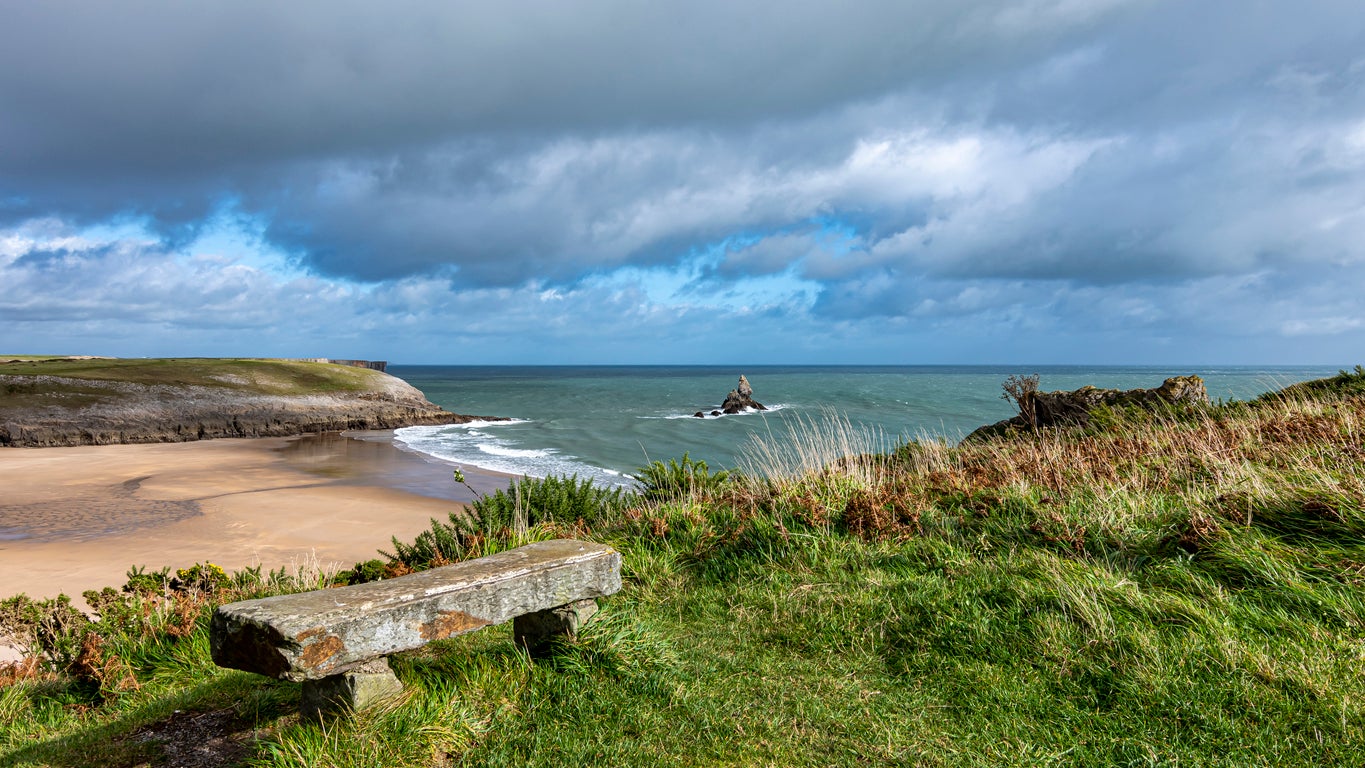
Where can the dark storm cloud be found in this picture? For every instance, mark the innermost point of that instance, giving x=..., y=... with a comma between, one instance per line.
x=1047, y=163
x=162, y=109
x=174, y=88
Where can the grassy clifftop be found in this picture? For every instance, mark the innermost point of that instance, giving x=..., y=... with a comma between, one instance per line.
x=268, y=377
x=81, y=400
x=1173, y=588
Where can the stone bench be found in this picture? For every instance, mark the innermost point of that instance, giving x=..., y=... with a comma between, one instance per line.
x=335, y=641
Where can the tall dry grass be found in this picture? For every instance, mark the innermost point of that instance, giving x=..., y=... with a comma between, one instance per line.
x=1260, y=451
x=808, y=446
x=1134, y=482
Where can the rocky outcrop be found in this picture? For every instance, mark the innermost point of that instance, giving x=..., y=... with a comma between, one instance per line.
x=740, y=399
x=1050, y=409
x=107, y=412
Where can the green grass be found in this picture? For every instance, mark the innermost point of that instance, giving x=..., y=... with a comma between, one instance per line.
x=84, y=382
x=1345, y=382
x=27, y=393
x=275, y=377
x=1170, y=589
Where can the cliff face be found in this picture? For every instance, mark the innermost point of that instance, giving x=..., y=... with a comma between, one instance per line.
x=45, y=410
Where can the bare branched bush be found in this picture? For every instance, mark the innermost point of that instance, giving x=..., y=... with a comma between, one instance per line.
x=1022, y=390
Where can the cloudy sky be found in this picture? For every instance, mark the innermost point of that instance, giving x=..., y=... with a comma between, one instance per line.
x=616, y=181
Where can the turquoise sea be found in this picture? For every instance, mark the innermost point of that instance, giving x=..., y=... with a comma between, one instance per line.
x=604, y=422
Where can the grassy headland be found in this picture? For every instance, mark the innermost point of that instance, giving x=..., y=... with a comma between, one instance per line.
x=1172, y=588
x=37, y=380
x=85, y=400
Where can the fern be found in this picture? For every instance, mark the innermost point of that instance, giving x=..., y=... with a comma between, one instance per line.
x=530, y=501
x=528, y=506
x=679, y=479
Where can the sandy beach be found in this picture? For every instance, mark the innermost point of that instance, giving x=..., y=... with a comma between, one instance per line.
x=73, y=519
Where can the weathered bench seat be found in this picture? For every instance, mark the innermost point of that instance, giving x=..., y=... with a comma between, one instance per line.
x=339, y=636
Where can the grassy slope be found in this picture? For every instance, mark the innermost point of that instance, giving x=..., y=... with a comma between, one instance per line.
x=1182, y=589
x=270, y=377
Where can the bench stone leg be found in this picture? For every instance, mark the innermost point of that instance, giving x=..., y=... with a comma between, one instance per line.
x=336, y=695
x=536, y=632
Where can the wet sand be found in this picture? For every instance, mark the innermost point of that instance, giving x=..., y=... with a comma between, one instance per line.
x=73, y=519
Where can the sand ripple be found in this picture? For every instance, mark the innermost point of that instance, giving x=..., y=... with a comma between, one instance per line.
x=84, y=513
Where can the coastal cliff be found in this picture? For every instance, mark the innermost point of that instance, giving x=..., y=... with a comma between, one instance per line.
x=96, y=401
x=1075, y=407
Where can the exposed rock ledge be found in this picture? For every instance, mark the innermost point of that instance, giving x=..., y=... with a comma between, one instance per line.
x=123, y=412
x=1061, y=408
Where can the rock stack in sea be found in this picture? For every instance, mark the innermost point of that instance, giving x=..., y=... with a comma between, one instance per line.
x=740, y=399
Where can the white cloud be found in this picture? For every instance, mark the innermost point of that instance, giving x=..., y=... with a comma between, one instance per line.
x=1028, y=16
x=1321, y=326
